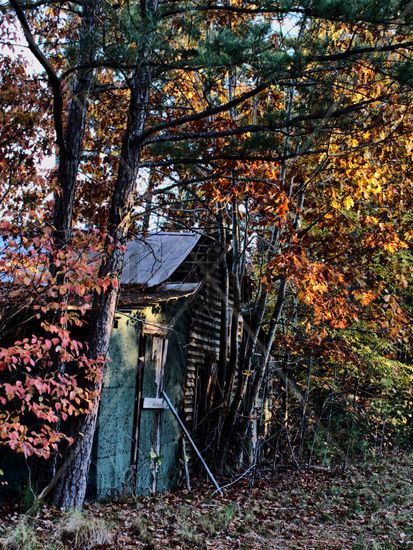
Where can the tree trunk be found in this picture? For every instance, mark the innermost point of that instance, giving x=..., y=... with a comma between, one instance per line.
x=70, y=154
x=236, y=306
x=71, y=489
x=69, y=136
x=224, y=288
x=250, y=344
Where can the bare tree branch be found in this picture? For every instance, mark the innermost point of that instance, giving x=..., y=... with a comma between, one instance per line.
x=53, y=78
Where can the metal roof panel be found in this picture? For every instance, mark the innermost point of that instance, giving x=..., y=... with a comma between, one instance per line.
x=153, y=260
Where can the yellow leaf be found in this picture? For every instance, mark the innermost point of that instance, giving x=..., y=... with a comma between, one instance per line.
x=348, y=202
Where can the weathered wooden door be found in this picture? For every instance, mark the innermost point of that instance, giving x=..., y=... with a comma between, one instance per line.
x=147, y=450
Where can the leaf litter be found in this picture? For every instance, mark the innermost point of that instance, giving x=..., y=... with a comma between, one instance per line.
x=369, y=506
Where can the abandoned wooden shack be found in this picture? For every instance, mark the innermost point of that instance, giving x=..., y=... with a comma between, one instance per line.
x=166, y=337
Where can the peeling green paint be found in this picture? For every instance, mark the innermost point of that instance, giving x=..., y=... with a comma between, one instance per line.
x=112, y=449
x=111, y=472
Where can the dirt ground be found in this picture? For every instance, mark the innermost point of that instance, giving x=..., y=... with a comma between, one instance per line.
x=370, y=506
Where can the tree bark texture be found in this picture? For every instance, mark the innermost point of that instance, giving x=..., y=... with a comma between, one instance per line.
x=71, y=489
x=70, y=150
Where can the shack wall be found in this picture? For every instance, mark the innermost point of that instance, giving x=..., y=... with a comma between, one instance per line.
x=158, y=469
x=202, y=354
x=111, y=471
x=171, y=433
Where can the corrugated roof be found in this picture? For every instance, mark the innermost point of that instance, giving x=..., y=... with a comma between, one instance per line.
x=152, y=261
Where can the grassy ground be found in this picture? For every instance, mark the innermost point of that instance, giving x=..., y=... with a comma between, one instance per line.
x=371, y=506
